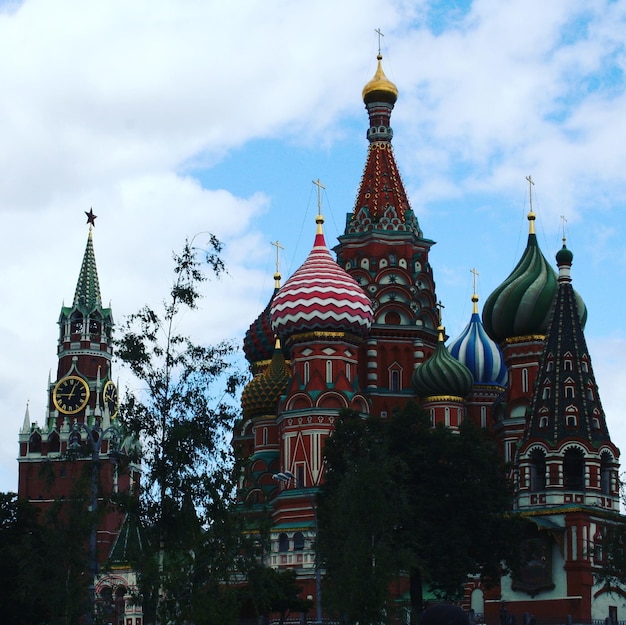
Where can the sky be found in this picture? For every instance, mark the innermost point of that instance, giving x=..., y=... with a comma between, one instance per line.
x=173, y=118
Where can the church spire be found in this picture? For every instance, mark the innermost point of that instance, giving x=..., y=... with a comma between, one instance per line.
x=566, y=402
x=87, y=296
x=382, y=202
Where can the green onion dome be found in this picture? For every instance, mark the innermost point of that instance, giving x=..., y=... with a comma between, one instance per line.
x=261, y=395
x=521, y=305
x=564, y=256
x=442, y=374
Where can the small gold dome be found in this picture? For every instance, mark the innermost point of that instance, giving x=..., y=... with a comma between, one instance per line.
x=380, y=88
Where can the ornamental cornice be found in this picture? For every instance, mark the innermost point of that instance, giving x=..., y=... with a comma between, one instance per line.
x=513, y=340
x=450, y=398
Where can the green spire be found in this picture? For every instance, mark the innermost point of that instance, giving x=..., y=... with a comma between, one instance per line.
x=87, y=297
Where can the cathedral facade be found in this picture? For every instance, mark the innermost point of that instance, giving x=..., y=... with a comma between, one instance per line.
x=364, y=332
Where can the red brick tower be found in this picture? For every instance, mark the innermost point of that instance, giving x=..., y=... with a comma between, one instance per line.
x=53, y=456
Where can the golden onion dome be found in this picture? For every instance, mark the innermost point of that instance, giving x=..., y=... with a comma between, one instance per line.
x=380, y=88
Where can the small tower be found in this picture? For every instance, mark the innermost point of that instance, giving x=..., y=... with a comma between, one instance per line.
x=443, y=383
x=484, y=359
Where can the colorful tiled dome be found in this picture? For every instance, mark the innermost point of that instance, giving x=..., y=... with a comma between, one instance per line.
x=261, y=395
x=479, y=353
x=320, y=295
x=442, y=374
x=258, y=343
x=521, y=305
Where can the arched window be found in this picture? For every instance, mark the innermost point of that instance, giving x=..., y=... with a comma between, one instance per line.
x=329, y=372
x=264, y=436
x=574, y=470
x=524, y=380
x=394, y=381
x=34, y=444
x=77, y=323
x=546, y=392
x=54, y=443
x=283, y=543
x=483, y=416
x=537, y=470
x=348, y=372
x=567, y=365
x=298, y=541
x=447, y=416
x=306, y=372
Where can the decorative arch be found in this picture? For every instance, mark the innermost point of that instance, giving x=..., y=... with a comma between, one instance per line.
x=331, y=399
x=299, y=401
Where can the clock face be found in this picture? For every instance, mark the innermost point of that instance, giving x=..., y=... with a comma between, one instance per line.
x=71, y=394
x=111, y=398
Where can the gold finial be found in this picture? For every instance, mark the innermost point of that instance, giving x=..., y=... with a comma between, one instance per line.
x=277, y=275
x=277, y=342
x=380, y=88
x=475, y=295
x=531, y=214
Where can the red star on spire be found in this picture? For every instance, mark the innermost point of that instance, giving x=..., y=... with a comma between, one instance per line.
x=91, y=218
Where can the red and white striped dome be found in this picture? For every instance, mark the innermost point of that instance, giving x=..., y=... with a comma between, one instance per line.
x=320, y=295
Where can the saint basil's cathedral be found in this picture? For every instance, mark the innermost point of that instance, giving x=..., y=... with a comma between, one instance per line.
x=364, y=332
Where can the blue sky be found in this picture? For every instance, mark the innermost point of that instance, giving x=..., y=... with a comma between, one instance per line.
x=172, y=118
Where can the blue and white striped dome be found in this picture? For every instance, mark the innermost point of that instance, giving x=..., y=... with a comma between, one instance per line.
x=479, y=353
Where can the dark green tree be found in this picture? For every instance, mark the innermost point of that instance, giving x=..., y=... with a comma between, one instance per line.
x=183, y=414
x=43, y=560
x=273, y=591
x=426, y=501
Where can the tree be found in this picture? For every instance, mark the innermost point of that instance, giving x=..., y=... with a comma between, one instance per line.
x=429, y=501
x=270, y=590
x=43, y=559
x=183, y=415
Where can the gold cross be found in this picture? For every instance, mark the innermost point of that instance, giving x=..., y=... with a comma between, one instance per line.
x=278, y=247
x=531, y=184
x=564, y=222
x=377, y=31
x=475, y=276
x=319, y=186
x=440, y=308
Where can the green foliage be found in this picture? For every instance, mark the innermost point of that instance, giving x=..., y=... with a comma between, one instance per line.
x=402, y=496
x=270, y=590
x=183, y=415
x=43, y=560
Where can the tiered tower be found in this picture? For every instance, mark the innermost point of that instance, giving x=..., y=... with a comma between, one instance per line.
x=566, y=470
x=384, y=250
x=56, y=456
